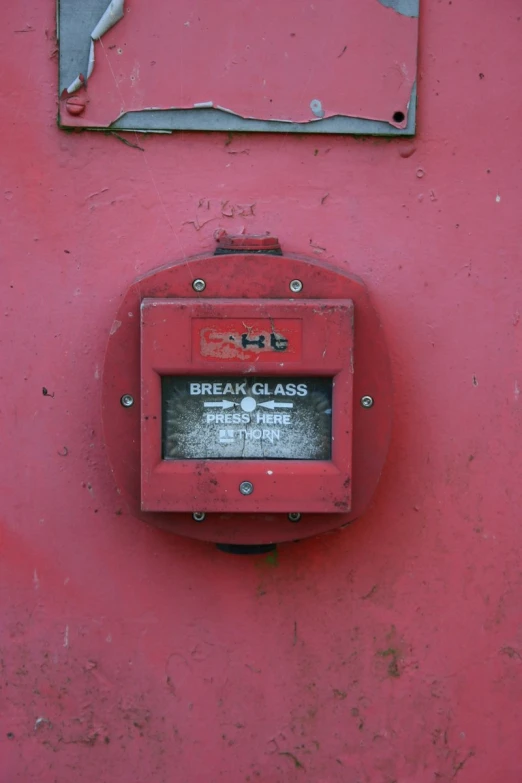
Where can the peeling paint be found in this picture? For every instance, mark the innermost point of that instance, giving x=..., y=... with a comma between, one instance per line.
x=404, y=7
x=317, y=107
x=113, y=13
x=42, y=721
x=90, y=66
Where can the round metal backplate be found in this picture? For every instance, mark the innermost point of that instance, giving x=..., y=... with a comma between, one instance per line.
x=245, y=276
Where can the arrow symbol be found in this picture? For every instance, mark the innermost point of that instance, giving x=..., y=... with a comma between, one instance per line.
x=272, y=404
x=222, y=404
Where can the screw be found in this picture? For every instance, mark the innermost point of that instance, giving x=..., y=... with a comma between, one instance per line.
x=199, y=285
x=198, y=516
x=296, y=286
x=127, y=400
x=294, y=516
x=246, y=487
x=367, y=401
x=75, y=105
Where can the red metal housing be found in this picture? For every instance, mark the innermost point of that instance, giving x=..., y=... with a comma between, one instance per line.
x=332, y=331
x=280, y=486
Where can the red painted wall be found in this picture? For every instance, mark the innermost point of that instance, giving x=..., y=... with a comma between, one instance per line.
x=390, y=651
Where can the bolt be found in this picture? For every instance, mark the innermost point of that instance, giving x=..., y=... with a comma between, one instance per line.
x=246, y=487
x=199, y=285
x=407, y=151
x=198, y=516
x=296, y=286
x=367, y=401
x=294, y=516
x=75, y=105
x=127, y=400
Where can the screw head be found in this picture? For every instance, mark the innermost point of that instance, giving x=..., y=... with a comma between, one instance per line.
x=198, y=516
x=367, y=401
x=246, y=487
x=199, y=285
x=127, y=400
x=294, y=516
x=296, y=286
x=75, y=105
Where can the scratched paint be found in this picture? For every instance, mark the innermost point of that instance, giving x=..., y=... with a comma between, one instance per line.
x=258, y=340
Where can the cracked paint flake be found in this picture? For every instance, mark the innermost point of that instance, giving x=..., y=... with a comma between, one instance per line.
x=113, y=13
x=404, y=7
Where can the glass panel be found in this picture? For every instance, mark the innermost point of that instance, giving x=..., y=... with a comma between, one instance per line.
x=246, y=418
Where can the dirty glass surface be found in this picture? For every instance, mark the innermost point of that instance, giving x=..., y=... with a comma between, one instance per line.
x=251, y=418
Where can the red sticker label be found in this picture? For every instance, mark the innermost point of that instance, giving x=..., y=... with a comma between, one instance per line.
x=249, y=339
